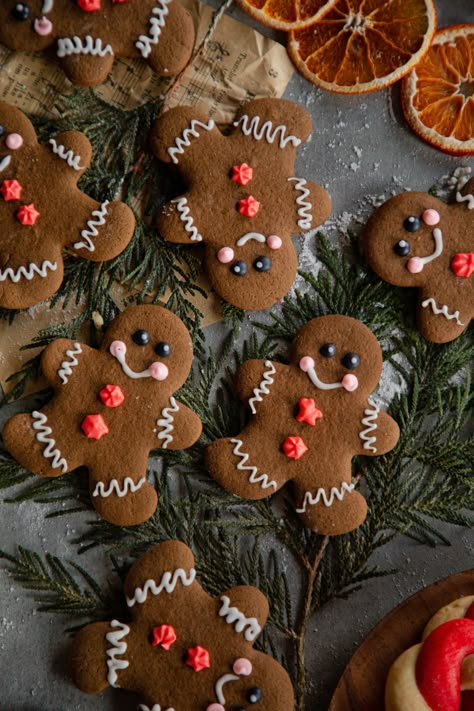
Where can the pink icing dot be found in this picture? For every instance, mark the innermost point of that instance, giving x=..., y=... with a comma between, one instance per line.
x=225, y=255
x=215, y=707
x=431, y=217
x=242, y=667
x=43, y=26
x=117, y=347
x=350, y=383
x=306, y=363
x=159, y=371
x=274, y=242
x=14, y=141
x=415, y=265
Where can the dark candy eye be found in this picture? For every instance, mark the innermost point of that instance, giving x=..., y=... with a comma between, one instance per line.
x=163, y=349
x=239, y=268
x=240, y=708
x=21, y=11
x=412, y=224
x=262, y=264
x=2, y=130
x=350, y=361
x=402, y=248
x=141, y=337
x=254, y=695
x=328, y=350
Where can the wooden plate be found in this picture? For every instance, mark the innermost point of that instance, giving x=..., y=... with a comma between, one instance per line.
x=362, y=685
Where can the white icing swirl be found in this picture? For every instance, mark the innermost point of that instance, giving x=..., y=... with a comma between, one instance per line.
x=157, y=22
x=89, y=45
x=28, y=272
x=119, y=648
x=71, y=159
x=43, y=435
x=120, y=489
x=466, y=198
x=182, y=142
x=370, y=422
x=322, y=496
x=91, y=230
x=233, y=616
x=167, y=423
x=168, y=583
x=263, y=387
x=65, y=371
x=255, y=478
x=186, y=217
x=266, y=130
x=305, y=207
x=443, y=311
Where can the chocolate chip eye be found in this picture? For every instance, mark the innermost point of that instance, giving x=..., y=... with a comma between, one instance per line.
x=141, y=337
x=163, y=349
x=402, y=248
x=350, y=361
x=254, y=695
x=239, y=268
x=328, y=350
x=2, y=130
x=21, y=11
x=412, y=223
x=262, y=264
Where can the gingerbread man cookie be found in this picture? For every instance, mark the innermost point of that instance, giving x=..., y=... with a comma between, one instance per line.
x=110, y=408
x=88, y=34
x=416, y=240
x=308, y=419
x=183, y=649
x=438, y=674
x=243, y=200
x=42, y=210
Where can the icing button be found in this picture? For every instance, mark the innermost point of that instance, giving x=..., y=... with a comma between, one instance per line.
x=11, y=190
x=306, y=363
x=27, y=214
x=307, y=411
x=215, y=707
x=274, y=242
x=112, y=395
x=249, y=206
x=43, y=26
x=294, y=447
x=350, y=383
x=89, y=5
x=14, y=141
x=242, y=667
x=431, y=217
x=462, y=264
x=198, y=658
x=415, y=265
x=225, y=255
x=94, y=426
x=164, y=636
x=242, y=174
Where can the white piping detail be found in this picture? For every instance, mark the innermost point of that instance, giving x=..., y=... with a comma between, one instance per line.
x=250, y=235
x=118, y=648
x=167, y=423
x=47, y=6
x=43, y=436
x=5, y=162
x=370, y=421
x=28, y=272
x=313, y=376
x=266, y=130
x=156, y=707
x=304, y=212
x=263, y=479
x=168, y=583
x=263, y=387
x=91, y=230
x=438, y=251
x=182, y=142
x=65, y=371
x=220, y=683
x=145, y=43
x=335, y=493
x=466, y=198
x=248, y=625
x=71, y=159
x=88, y=45
x=120, y=489
x=443, y=310
x=186, y=217
x=122, y=359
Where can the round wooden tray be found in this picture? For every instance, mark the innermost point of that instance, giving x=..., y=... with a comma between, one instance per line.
x=361, y=687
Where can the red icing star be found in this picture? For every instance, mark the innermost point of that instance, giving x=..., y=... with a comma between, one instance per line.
x=27, y=214
x=11, y=190
x=294, y=447
x=242, y=174
x=94, y=426
x=249, y=206
x=164, y=636
x=198, y=658
x=307, y=411
x=89, y=5
x=463, y=264
x=112, y=395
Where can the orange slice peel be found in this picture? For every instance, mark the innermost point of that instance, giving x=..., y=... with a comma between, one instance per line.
x=286, y=15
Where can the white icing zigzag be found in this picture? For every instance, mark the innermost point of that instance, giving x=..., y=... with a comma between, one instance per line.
x=443, y=311
x=167, y=423
x=118, y=648
x=186, y=217
x=266, y=130
x=156, y=707
x=65, y=370
x=120, y=489
x=466, y=198
x=182, y=142
x=28, y=272
x=91, y=230
x=370, y=421
x=263, y=387
x=248, y=625
x=43, y=436
x=335, y=493
x=304, y=212
x=88, y=45
x=254, y=478
x=71, y=159
x=144, y=43
x=168, y=583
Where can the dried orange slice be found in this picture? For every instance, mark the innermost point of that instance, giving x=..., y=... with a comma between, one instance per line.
x=363, y=45
x=286, y=14
x=438, y=95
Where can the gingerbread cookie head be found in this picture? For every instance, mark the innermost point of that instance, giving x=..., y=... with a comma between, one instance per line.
x=243, y=201
x=415, y=240
x=182, y=648
x=89, y=34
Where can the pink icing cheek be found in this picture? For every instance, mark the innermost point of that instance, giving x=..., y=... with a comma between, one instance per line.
x=306, y=363
x=415, y=265
x=242, y=667
x=350, y=383
x=14, y=141
x=274, y=242
x=225, y=255
x=43, y=26
x=159, y=371
x=431, y=217
x=117, y=348
x=215, y=707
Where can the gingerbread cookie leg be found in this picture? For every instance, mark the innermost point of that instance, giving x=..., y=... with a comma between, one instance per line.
x=330, y=511
x=437, y=321
x=124, y=500
x=86, y=69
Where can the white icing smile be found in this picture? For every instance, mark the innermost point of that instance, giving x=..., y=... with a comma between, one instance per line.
x=349, y=382
x=158, y=371
x=417, y=264
x=5, y=162
x=250, y=235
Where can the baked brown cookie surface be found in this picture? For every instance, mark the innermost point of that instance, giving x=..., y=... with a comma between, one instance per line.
x=110, y=408
x=308, y=419
x=243, y=200
x=88, y=34
x=183, y=649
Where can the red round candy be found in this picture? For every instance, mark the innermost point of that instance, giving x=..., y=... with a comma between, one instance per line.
x=198, y=658
x=94, y=426
x=294, y=447
x=112, y=395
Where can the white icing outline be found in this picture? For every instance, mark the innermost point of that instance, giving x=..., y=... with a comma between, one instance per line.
x=469, y=198
x=185, y=216
x=233, y=616
x=313, y=376
x=5, y=162
x=257, y=236
x=43, y=436
x=263, y=479
x=182, y=142
x=167, y=423
x=443, y=310
x=263, y=387
x=89, y=45
x=304, y=212
x=91, y=229
x=118, y=648
x=157, y=24
x=335, y=493
x=220, y=683
x=168, y=583
x=28, y=272
x=120, y=489
x=251, y=126
x=372, y=413
x=70, y=157
x=65, y=371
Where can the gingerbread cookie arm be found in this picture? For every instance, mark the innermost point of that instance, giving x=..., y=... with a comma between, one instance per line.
x=379, y=433
x=437, y=321
x=173, y=51
x=177, y=427
x=181, y=135
x=89, y=658
x=312, y=204
x=275, y=121
x=245, y=609
x=254, y=379
x=73, y=150
x=177, y=222
x=108, y=229
x=60, y=359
